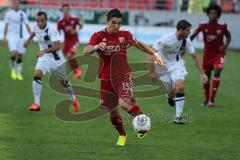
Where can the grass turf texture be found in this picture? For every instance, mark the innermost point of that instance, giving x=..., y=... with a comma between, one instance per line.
x=213, y=133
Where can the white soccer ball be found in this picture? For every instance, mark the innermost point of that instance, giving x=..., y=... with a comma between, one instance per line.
x=141, y=123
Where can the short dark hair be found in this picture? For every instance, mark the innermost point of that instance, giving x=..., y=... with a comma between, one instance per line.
x=40, y=13
x=65, y=5
x=114, y=13
x=183, y=24
x=215, y=7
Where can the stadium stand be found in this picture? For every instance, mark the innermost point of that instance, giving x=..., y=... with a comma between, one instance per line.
x=167, y=5
x=105, y=4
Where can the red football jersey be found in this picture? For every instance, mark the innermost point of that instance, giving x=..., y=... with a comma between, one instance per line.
x=113, y=60
x=213, y=35
x=67, y=25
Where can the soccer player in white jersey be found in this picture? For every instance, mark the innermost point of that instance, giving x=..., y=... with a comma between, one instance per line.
x=171, y=48
x=15, y=19
x=50, y=58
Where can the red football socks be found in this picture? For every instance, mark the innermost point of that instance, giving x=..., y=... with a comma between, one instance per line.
x=135, y=110
x=73, y=64
x=215, y=86
x=116, y=120
x=206, y=87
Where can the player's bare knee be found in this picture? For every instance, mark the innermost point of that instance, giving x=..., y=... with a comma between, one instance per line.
x=217, y=73
x=19, y=56
x=38, y=73
x=14, y=54
x=114, y=111
x=180, y=88
x=125, y=103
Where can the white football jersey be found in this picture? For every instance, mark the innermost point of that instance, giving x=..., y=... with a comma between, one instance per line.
x=16, y=21
x=46, y=37
x=169, y=48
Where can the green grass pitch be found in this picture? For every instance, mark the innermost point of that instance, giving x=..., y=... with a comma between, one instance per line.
x=212, y=134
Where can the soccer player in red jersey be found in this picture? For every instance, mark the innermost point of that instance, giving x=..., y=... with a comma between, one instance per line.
x=111, y=45
x=214, y=50
x=70, y=25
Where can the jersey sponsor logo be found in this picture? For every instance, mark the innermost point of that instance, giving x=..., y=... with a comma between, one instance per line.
x=104, y=39
x=68, y=28
x=115, y=47
x=211, y=38
x=206, y=30
x=112, y=48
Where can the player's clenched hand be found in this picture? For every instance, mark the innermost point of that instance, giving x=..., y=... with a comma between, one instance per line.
x=40, y=54
x=204, y=78
x=158, y=59
x=101, y=46
x=25, y=44
x=223, y=48
x=73, y=32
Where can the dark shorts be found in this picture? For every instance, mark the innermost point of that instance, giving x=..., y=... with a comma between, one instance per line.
x=213, y=63
x=69, y=49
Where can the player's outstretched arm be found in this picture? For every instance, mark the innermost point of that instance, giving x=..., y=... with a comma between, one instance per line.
x=151, y=67
x=28, y=28
x=196, y=59
x=145, y=48
x=26, y=43
x=89, y=49
x=195, y=33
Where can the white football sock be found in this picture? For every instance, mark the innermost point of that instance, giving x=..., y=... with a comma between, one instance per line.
x=19, y=68
x=179, y=101
x=37, y=88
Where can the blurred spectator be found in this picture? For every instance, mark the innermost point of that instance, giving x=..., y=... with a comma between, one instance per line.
x=184, y=5
x=169, y=23
x=141, y=20
x=236, y=6
x=23, y=2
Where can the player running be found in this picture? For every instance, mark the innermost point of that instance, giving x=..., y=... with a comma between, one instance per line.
x=15, y=20
x=214, y=50
x=50, y=58
x=171, y=47
x=70, y=26
x=116, y=86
